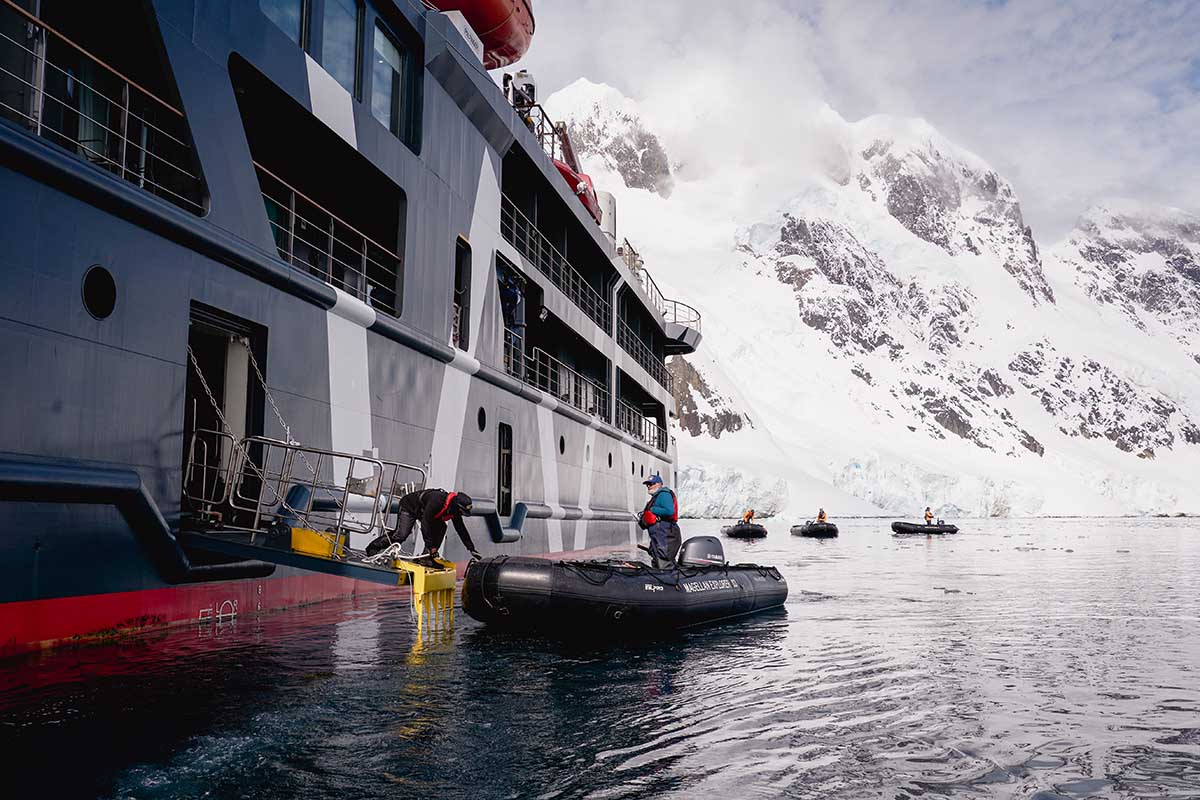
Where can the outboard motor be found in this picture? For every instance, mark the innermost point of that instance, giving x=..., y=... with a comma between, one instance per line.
x=701, y=551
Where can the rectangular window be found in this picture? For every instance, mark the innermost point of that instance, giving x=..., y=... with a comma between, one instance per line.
x=504, y=468
x=460, y=326
x=288, y=15
x=395, y=89
x=339, y=42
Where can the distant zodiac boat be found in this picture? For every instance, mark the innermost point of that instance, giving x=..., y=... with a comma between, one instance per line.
x=745, y=530
x=816, y=530
x=918, y=528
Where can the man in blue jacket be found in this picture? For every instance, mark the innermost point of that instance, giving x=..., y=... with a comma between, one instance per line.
x=660, y=518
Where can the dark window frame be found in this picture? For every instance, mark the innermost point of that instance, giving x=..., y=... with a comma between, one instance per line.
x=406, y=113
x=460, y=294
x=504, y=468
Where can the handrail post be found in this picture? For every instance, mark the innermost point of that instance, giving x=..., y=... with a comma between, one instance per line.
x=38, y=102
x=291, y=245
x=124, y=127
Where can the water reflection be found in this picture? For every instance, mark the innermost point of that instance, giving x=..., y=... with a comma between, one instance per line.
x=1019, y=659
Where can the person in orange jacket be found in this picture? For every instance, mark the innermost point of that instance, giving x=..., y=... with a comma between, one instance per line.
x=748, y=517
x=928, y=516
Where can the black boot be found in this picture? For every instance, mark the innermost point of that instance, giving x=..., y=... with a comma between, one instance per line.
x=378, y=544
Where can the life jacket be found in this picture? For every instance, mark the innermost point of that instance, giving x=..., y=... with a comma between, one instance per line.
x=821, y=517
x=649, y=517
x=445, y=514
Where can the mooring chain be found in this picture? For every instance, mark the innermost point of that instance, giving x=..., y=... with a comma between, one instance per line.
x=244, y=456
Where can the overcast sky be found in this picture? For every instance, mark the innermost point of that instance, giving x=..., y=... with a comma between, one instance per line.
x=1071, y=100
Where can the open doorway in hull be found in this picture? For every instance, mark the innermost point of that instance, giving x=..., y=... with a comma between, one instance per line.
x=223, y=402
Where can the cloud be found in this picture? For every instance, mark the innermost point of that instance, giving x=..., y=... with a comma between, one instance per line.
x=1072, y=100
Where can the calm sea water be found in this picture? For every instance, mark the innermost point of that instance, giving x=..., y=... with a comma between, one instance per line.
x=1021, y=658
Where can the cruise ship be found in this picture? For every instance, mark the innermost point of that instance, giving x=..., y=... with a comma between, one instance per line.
x=274, y=260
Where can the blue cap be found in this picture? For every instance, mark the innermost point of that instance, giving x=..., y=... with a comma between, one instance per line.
x=654, y=478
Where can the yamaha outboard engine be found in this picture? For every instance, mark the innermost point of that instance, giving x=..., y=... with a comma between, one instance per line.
x=701, y=551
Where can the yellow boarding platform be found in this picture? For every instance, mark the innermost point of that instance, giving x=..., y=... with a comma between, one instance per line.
x=432, y=579
x=432, y=589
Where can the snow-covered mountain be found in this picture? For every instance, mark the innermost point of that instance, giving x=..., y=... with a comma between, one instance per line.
x=892, y=336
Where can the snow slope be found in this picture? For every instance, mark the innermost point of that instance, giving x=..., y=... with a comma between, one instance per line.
x=886, y=333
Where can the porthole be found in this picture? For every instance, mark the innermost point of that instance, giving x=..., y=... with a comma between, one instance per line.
x=610, y=460
x=562, y=445
x=643, y=471
x=587, y=452
x=632, y=468
x=481, y=418
x=99, y=292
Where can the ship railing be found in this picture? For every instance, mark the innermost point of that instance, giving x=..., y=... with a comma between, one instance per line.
x=551, y=135
x=681, y=313
x=522, y=234
x=316, y=241
x=637, y=268
x=543, y=371
x=324, y=490
x=634, y=346
x=206, y=476
x=456, y=326
x=63, y=93
x=674, y=311
x=639, y=426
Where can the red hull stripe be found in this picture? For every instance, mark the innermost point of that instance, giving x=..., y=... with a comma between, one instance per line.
x=34, y=624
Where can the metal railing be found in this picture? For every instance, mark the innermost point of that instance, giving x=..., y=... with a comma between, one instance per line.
x=635, y=347
x=314, y=240
x=541, y=370
x=529, y=241
x=320, y=489
x=63, y=93
x=637, y=268
x=681, y=314
x=551, y=135
x=456, y=327
x=670, y=310
x=640, y=427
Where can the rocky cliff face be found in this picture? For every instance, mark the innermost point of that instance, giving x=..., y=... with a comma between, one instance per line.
x=948, y=198
x=608, y=128
x=700, y=410
x=899, y=339
x=1143, y=260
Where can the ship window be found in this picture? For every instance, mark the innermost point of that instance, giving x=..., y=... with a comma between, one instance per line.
x=288, y=16
x=99, y=292
x=340, y=26
x=394, y=88
x=504, y=468
x=481, y=418
x=460, y=309
x=562, y=445
x=610, y=460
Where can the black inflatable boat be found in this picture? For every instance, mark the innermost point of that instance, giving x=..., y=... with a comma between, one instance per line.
x=919, y=528
x=745, y=530
x=579, y=597
x=815, y=530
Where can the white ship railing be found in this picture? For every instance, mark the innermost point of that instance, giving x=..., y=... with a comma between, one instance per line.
x=70, y=97
x=313, y=239
x=640, y=427
x=522, y=234
x=642, y=354
x=543, y=371
x=260, y=477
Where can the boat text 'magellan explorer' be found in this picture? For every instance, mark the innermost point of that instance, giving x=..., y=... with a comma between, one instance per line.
x=286, y=260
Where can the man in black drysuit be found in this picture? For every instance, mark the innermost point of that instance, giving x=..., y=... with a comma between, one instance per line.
x=434, y=508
